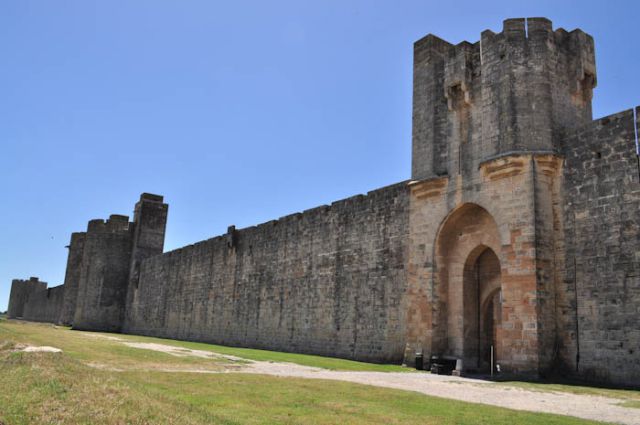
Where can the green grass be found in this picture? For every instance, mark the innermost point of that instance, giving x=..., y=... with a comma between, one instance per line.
x=330, y=363
x=114, y=353
x=40, y=388
x=55, y=388
x=631, y=403
x=91, y=348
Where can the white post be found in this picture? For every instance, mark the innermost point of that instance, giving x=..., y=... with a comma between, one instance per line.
x=492, y=360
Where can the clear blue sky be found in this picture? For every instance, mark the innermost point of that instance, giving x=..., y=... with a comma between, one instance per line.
x=237, y=112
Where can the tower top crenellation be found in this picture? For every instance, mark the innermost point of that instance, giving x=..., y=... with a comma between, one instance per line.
x=521, y=89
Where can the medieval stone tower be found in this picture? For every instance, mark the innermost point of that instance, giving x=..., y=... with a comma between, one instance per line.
x=490, y=121
x=518, y=234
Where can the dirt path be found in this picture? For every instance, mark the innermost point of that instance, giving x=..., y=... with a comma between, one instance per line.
x=180, y=352
x=35, y=349
x=471, y=390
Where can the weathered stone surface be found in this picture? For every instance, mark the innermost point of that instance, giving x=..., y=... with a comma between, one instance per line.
x=111, y=256
x=600, y=312
x=44, y=305
x=72, y=278
x=326, y=281
x=20, y=291
x=104, y=275
x=31, y=300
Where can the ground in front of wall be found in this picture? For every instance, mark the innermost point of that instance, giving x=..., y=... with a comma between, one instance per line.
x=55, y=375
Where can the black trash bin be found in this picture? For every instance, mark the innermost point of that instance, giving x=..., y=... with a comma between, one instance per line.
x=419, y=361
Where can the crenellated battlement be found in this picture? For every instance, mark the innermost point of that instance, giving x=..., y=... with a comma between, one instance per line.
x=116, y=223
x=21, y=290
x=151, y=197
x=519, y=89
x=535, y=39
x=104, y=264
x=33, y=280
x=523, y=36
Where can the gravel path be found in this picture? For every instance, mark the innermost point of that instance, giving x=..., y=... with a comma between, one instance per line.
x=597, y=408
x=471, y=390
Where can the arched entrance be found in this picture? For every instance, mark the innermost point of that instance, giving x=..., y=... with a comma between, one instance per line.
x=482, y=306
x=467, y=314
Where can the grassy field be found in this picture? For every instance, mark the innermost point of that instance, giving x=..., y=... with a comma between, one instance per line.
x=329, y=363
x=64, y=388
x=99, y=348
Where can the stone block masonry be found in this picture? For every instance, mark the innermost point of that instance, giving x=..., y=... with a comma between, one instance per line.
x=326, y=281
x=111, y=254
x=45, y=305
x=104, y=275
x=20, y=291
x=72, y=277
x=31, y=300
x=600, y=314
x=518, y=234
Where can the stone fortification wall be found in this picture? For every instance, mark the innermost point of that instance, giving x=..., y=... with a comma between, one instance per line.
x=99, y=265
x=150, y=220
x=517, y=90
x=44, y=305
x=104, y=274
x=509, y=174
x=488, y=122
x=72, y=277
x=601, y=295
x=328, y=281
x=20, y=291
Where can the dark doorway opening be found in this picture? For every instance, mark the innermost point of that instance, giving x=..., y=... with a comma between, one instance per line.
x=482, y=306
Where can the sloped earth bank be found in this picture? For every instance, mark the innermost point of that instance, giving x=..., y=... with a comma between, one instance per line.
x=471, y=390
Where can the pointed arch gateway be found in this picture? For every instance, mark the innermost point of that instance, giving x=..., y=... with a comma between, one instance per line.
x=482, y=307
x=468, y=283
